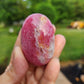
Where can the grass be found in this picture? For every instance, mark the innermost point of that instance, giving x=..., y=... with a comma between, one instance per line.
x=6, y=45
x=74, y=48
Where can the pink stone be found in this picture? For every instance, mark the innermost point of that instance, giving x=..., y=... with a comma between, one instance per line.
x=37, y=39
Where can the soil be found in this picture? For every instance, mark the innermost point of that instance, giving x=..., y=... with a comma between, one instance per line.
x=73, y=70
x=2, y=69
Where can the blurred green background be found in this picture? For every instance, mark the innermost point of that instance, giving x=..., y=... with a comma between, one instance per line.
x=60, y=12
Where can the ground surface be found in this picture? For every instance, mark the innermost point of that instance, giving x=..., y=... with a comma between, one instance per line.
x=74, y=48
x=6, y=45
x=62, y=79
x=73, y=70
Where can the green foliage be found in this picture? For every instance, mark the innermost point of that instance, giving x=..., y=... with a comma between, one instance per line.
x=79, y=10
x=57, y=10
x=62, y=8
x=12, y=10
x=46, y=9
